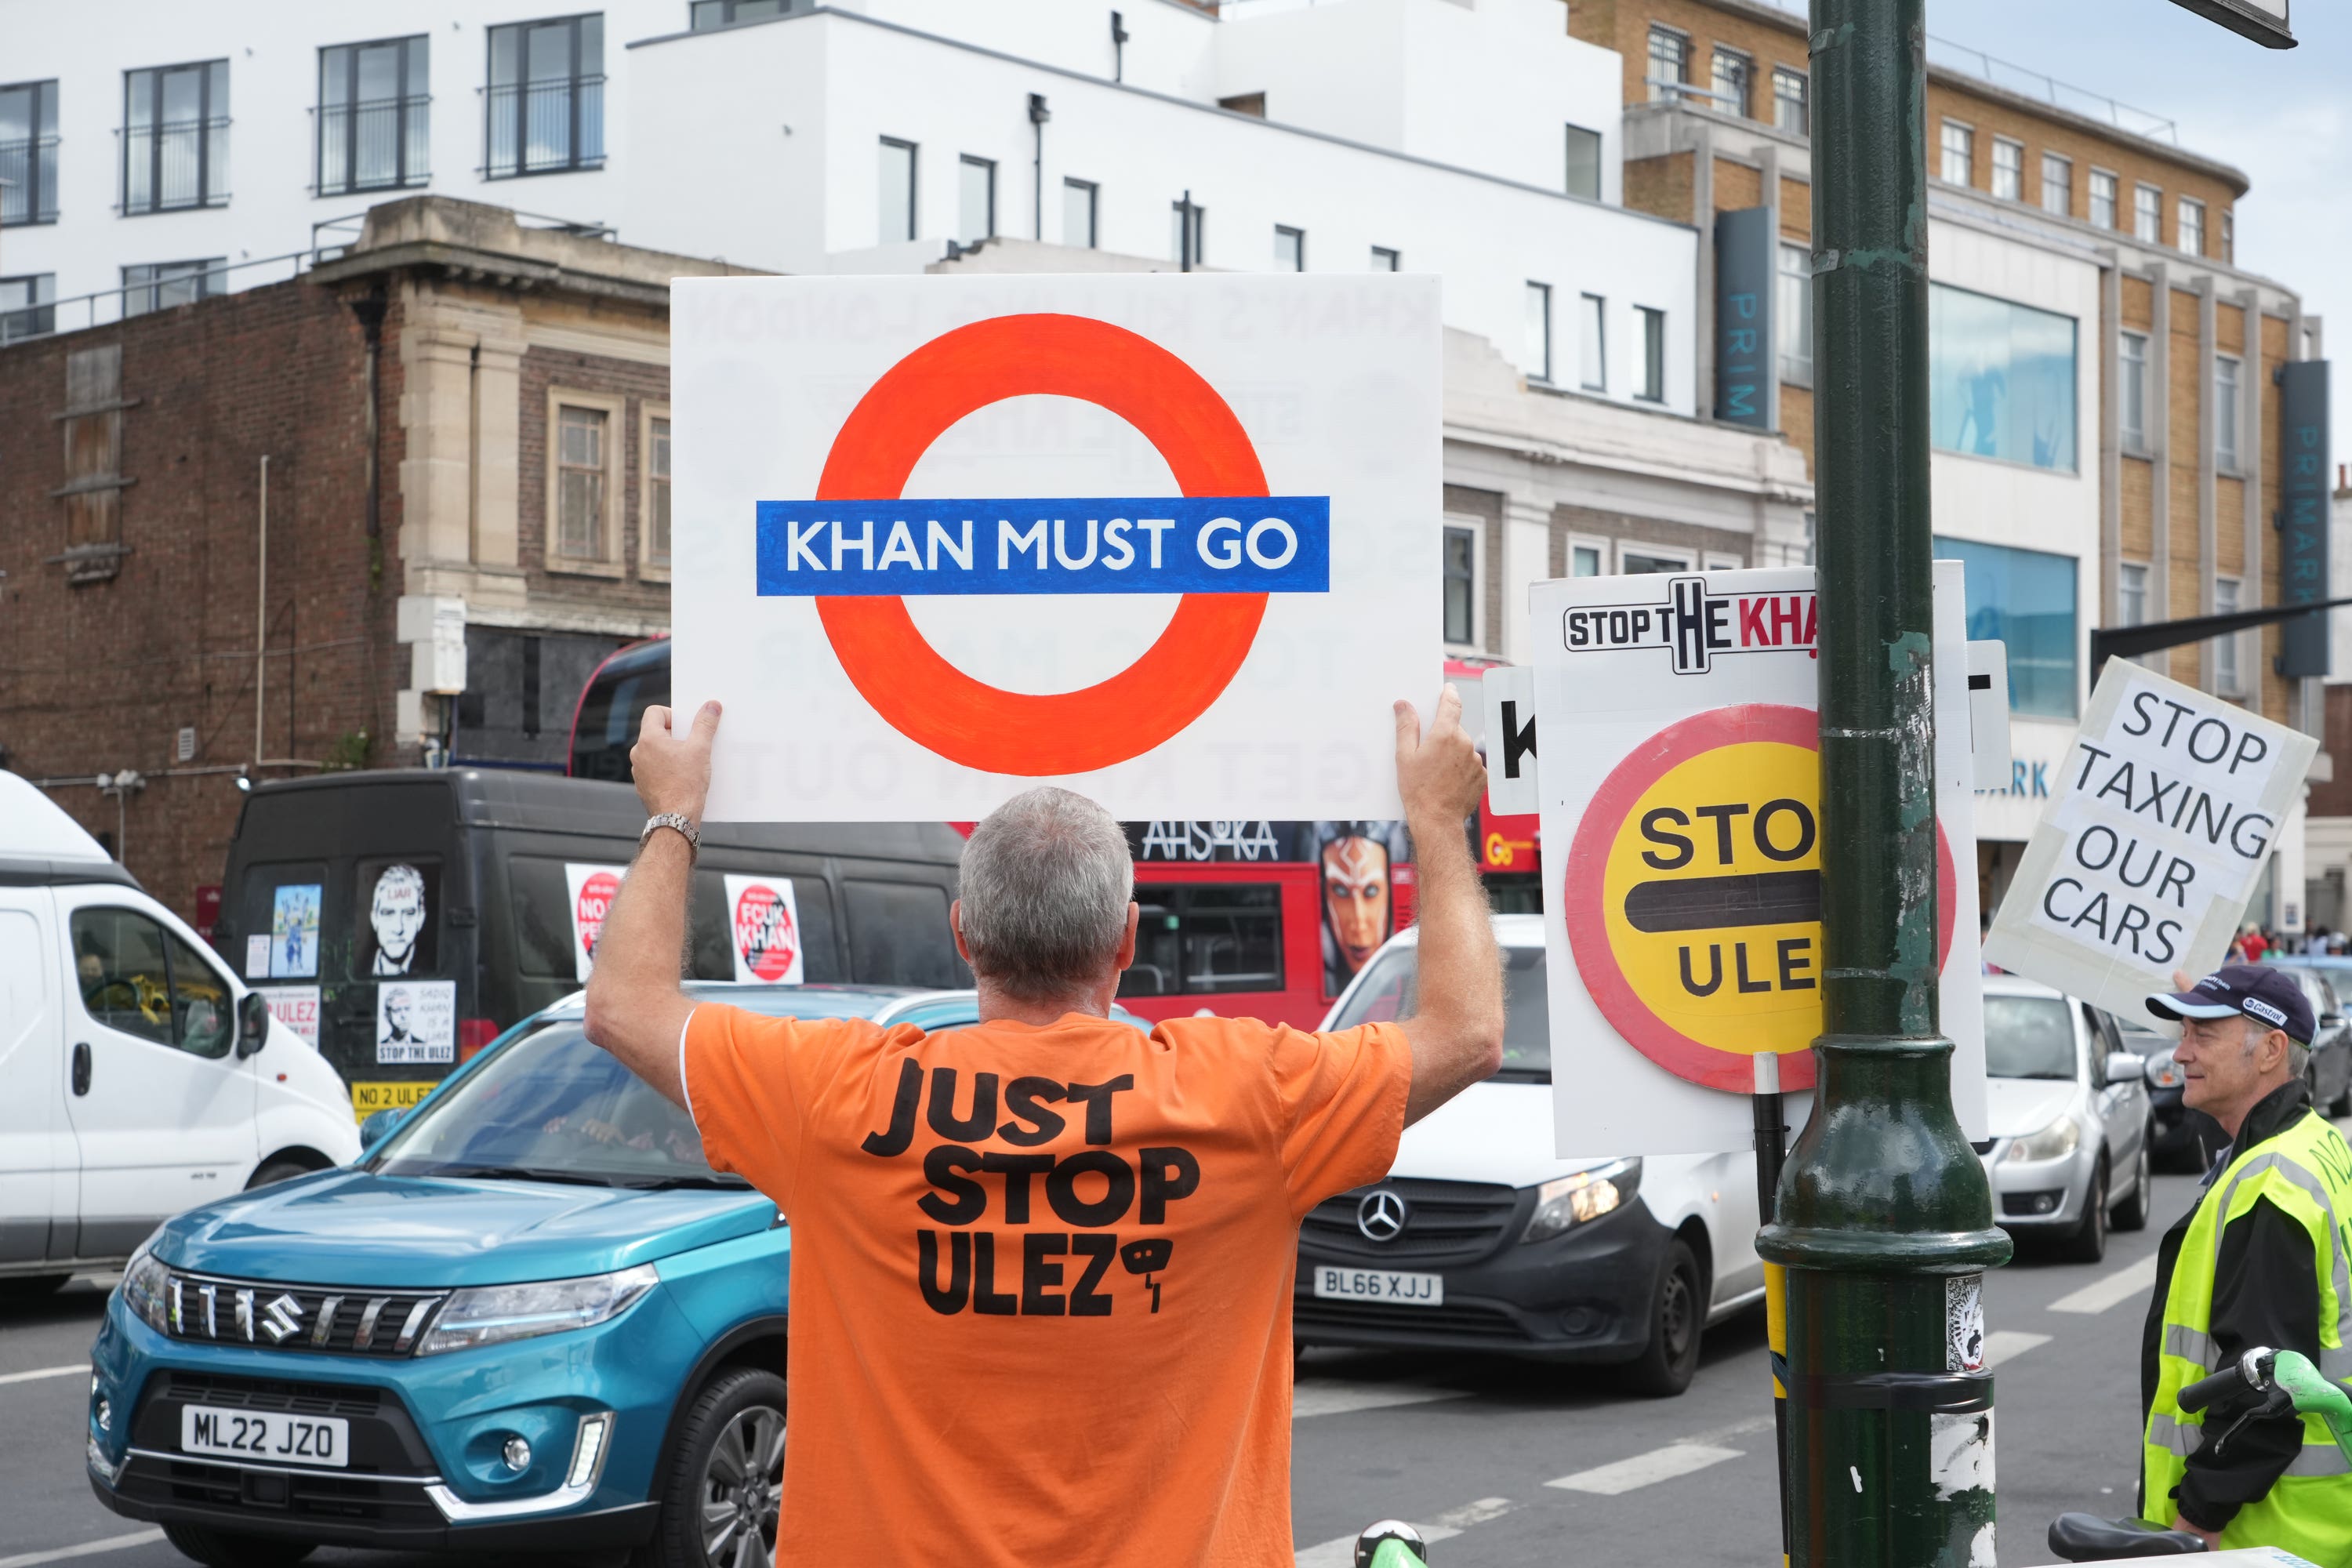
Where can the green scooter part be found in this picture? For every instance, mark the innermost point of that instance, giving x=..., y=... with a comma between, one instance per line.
x=2315, y=1395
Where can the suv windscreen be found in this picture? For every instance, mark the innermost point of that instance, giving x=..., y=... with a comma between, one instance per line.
x=2028, y=1036
x=552, y=1107
x=1387, y=994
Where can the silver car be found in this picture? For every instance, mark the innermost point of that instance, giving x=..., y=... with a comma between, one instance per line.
x=2069, y=1113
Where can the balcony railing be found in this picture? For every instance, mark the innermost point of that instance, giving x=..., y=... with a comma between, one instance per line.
x=376, y=144
x=28, y=181
x=175, y=164
x=542, y=127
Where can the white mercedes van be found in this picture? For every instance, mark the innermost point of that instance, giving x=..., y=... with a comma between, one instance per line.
x=138, y=1076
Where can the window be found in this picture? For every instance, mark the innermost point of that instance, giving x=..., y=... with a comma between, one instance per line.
x=372, y=103
x=975, y=199
x=1584, y=561
x=2008, y=169
x=1078, y=212
x=1289, y=249
x=1959, y=153
x=2131, y=389
x=2225, y=412
x=1794, y=315
x=1539, y=325
x=2026, y=599
x=2102, y=198
x=151, y=286
x=1204, y=938
x=2225, y=647
x=656, y=503
x=94, y=478
x=141, y=980
x=1790, y=105
x=29, y=153
x=899, y=934
x=1594, y=347
x=707, y=14
x=2057, y=185
x=2189, y=226
x=1732, y=73
x=1387, y=261
x=546, y=100
x=581, y=474
x=2001, y=379
x=896, y=204
x=1649, y=564
x=1669, y=64
x=2147, y=213
x=24, y=303
x=2230, y=238
x=1462, y=586
x=2131, y=594
x=1583, y=162
x=176, y=137
x=1654, y=354
x=1188, y=232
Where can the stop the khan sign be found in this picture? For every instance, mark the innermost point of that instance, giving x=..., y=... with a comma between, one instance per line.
x=1688, y=791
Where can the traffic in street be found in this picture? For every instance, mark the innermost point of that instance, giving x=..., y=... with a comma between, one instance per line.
x=1509, y=1463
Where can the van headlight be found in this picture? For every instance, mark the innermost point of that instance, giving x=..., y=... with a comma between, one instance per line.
x=146, y=1283
x=1587, y=1194
x=2054, y=1141
x=493, y=1314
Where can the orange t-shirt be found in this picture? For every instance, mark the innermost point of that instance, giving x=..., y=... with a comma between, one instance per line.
x=1042, y=1277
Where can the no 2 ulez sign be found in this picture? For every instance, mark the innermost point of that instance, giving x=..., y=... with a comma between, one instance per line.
x=963, y=607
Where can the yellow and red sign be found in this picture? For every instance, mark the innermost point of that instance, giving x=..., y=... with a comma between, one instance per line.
x=1694, y=895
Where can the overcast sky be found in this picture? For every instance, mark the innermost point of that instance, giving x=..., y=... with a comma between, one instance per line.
x=2283, y=116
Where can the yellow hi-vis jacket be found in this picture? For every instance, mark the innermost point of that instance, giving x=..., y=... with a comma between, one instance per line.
x=2305, y=1172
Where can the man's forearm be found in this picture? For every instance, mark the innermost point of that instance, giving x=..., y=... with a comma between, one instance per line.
x=1457, y=1021
x=635, y=1005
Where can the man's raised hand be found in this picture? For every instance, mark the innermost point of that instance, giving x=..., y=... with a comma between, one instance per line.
x=673, y=769
x=1438, y=772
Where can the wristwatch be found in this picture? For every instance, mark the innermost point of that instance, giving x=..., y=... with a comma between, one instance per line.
x=684, y=824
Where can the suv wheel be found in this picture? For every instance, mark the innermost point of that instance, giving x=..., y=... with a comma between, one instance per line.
x=227, y=1549
x=1677, y=1314
x=722, y=1497
x=2088, y=1244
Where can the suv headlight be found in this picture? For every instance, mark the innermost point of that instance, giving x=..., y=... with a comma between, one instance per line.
x=1587, y=1194
x=145, y=1281
x=493, y=1314
x=2163, y=1072
x=2054, y=1141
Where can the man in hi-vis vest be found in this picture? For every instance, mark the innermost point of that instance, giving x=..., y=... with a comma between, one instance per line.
x=2260, y=1260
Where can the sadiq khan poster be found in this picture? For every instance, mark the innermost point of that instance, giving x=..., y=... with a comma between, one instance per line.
x=1169, y=540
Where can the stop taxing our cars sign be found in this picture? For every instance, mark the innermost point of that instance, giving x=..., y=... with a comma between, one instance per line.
x=1687, y=938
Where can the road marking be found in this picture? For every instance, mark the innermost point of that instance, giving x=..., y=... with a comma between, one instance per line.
x=2119, y=1286
x=1471, y=1513
x=1717, y=1436
x=1645, y=1469
x=1342, y=1553
x=2006, y=1344
x=34, y=1375
x=1338, y=1398
x=87, y=1549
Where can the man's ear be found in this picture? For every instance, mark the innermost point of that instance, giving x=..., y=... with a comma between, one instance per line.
x=955, y=923
x=1126, y=956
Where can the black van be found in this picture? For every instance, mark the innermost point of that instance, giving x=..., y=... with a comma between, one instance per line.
x=461, y=885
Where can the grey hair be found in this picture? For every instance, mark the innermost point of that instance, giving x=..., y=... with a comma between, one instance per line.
x=1047, y=881
x=2298, y=1054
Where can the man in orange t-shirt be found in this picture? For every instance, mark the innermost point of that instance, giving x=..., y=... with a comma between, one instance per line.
x=1042, y=1266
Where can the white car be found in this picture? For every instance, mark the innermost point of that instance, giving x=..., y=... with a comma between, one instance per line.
x=142, y=1077
x=1482, y=1238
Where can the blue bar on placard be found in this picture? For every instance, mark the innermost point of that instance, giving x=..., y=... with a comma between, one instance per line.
x=1066, y=544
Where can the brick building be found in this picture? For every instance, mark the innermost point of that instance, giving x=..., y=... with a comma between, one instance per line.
x=2045, y=214
x=458, y=413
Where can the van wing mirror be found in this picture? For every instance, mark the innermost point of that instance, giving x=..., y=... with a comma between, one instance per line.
x=2123, y=1066
x=252, y=1023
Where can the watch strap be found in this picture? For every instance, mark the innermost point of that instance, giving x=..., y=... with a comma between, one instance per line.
x=684, y=824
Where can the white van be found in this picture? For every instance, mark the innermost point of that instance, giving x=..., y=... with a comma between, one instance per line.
x=138, y=1076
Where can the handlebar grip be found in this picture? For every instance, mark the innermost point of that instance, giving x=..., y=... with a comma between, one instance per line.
x=2197, y=1395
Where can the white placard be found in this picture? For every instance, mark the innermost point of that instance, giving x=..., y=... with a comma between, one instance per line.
x=297, y=1007
x=416, y=1021
x=1648, y=678
x=1164, y=538
x=590, y=892
x=2162, y=817
x=764, y=930
x=1988, y=750
x=1510, y=701
x=256, y=956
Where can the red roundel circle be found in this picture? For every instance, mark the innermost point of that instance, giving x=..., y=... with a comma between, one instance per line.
x=1693, y=895
x=764, y=934
x=937, y=705
x=596, y=895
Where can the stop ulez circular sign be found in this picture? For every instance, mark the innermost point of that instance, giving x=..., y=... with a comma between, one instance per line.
x=1694, y=891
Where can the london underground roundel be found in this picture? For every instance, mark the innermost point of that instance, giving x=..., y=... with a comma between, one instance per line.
x=1694, y=895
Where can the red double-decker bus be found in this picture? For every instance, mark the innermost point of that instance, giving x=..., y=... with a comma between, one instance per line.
x=1270, y=919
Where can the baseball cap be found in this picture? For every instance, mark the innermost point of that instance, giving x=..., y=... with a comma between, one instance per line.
x=2256, y=991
